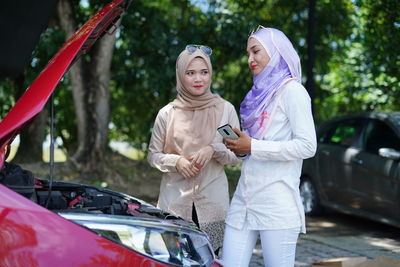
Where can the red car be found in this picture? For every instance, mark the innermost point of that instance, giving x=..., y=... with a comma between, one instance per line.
x=46, y=223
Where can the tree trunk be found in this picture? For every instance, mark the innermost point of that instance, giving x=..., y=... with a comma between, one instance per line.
x=310, y=83
x=98, y=105
x=66, y=15
x=90, y=80
x=32, y=136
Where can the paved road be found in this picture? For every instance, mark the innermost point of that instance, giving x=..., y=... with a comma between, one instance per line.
x=337, y=235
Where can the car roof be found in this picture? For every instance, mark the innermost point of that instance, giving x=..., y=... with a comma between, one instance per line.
x=392, y=117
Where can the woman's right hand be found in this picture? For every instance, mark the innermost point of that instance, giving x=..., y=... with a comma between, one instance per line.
x=241, y=145
x=184, y=167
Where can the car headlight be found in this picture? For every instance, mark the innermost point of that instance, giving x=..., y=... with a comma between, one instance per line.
x=164, y=242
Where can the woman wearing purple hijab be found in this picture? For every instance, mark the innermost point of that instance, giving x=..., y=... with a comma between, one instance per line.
x=278, y=133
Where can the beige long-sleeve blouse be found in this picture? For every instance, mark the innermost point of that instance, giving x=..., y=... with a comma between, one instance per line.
x=208, y=190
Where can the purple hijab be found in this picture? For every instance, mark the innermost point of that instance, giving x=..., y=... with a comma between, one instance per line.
x=284, y=65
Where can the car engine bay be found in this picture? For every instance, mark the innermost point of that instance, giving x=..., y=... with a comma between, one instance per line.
x=79, y=198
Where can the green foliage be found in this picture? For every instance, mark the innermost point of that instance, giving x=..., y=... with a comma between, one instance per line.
x=51, y=40
x=6, y=97
x=379, y=21
x=366, y=78
x=153, y=34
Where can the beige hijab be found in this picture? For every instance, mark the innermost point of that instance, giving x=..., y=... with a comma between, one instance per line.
x=194, y=119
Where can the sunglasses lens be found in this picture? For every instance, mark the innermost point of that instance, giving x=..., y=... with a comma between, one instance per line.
x=206, y=50
x=191, y=48
x=259, y=27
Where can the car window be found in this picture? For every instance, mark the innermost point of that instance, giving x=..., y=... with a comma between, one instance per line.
x=346, y=133
x=379, y=135
x=324, y=134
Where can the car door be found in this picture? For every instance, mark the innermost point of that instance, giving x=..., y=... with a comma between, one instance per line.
x=334, y=160
x=376, y=179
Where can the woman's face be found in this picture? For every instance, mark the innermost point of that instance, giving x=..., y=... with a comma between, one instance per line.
x=197, y=77
x=258, y=56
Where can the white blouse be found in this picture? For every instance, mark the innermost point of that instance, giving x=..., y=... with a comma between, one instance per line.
x=267, y=196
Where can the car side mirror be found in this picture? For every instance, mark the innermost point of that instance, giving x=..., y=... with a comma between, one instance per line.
x=389, y=153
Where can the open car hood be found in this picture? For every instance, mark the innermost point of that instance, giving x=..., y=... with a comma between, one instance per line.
x=35, y=97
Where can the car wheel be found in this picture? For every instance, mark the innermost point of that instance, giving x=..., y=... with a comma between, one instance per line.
x=309, y=196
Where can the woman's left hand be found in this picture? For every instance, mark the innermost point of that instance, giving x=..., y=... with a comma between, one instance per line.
x=202, y=157
x=239, y=146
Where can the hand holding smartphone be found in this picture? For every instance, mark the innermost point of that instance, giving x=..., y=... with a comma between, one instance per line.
x=227, y=132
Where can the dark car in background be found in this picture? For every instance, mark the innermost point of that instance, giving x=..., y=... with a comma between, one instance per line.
x=356, y=169
x=50, y=223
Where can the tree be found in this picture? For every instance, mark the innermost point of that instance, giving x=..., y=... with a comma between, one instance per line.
x=149, y=41
x=354, y=63
x=366, y=77
x=32, y=137
x=310, y=83
x=153, y=34
x=89, y=78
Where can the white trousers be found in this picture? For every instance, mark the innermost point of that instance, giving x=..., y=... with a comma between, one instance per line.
x=279, y=246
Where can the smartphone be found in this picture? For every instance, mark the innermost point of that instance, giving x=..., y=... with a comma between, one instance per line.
x=227, y=132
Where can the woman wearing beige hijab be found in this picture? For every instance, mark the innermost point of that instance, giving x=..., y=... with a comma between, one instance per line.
x=186, y=147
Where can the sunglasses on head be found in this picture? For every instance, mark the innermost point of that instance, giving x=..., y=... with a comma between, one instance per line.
x=192, y=48
x=259, y=27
